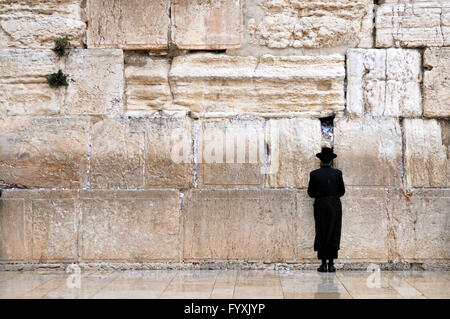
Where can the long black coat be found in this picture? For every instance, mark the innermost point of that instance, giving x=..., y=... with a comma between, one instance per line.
x=326, y=185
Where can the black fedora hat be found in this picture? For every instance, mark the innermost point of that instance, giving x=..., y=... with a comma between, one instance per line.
x=326, y=154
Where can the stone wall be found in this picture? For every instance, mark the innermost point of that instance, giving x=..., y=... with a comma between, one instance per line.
x=188, y=129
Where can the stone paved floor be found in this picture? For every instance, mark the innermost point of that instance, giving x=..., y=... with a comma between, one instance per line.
x=224, y=284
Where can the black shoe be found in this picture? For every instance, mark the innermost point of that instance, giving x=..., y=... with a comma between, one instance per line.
x=322, y=268
x=331, y=268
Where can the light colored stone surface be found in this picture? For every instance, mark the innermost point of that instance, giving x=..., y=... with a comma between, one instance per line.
x=12, y=230
x=117, y=156
x=230, y=153
x=23, y=86
x=128, y=24
x=309, y=24
x=96, y=82
x=436, y=82
x=384, y=82
x=226, y=284
x=240, y=225
x=427, y=150
x=304, y=227
x=55, y=230
x=142, y=153
x=413, y=24
x=131, y=226
x=147, y=85
x=369, y=151
x=420, y=225
x=36, y=24
x=169, y=160
x=293, y=144
x=217, y=24
x=364, y=224
x=215, y=84
x=44, y=152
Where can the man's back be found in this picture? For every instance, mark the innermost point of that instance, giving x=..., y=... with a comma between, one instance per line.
x=326, y=181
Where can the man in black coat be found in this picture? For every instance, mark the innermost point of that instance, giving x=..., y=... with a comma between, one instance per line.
x=326, y=186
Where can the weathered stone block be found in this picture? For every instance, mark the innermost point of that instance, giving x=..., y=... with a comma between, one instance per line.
x=211, y=85
x=96, y=83
x=369, y=151
x=128, y=24
x=169, y=160
x=364, y=224
x=142, y=153
x=310, y=24
x=130, y=226
x=23, y=86
x=36, y=24
x=55, y=230
x=117, y=155
x=413, y=24
x=304, y=227
x=12, y=230
x=230, y=153
x=419, y=225
x=147, y=89
x=44, y=152
x=217, y=24
x=384, y=82
x=436, y=81
x=427, y=150
x=292, y=144
x=241, y=225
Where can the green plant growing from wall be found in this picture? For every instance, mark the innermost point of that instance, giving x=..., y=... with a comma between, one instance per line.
x=60, y=46
x=58, y=79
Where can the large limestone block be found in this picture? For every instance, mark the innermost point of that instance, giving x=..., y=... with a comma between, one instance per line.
x=212, y=84
x=128, y=24
x=44, y=152
x=130, y=226
x=42, y=225
x=55, y=230
x=239, y=225
x=413, y=24
x=427, y=152
x=23, y=87
x=292, y=144
x=142, y=153
x=12, y=230
x=147, y=85
x=304, y=228
x=436, y=82
x=169, y=160
x=36, y=24
x=309, y=24
x=384, y=82
x=419, y=225
x=364, y=234
x=210, y=25
x=230, y=153
x=96, y=83
x=369, y=151
x=117, y=155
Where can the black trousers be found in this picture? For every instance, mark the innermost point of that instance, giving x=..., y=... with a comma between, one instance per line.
x=330, y=253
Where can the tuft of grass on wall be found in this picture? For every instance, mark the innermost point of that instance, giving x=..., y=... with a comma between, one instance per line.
x=58, y=79
x=60, y=46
